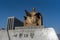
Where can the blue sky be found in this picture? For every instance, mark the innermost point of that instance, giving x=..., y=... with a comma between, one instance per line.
x=50, y=9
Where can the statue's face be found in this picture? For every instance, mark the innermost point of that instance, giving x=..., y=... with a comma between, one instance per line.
x=31, y=19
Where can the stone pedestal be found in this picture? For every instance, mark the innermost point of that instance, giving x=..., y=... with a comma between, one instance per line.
x=33, y=34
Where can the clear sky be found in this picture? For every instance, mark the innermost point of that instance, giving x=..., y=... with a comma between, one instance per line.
x=50, y=9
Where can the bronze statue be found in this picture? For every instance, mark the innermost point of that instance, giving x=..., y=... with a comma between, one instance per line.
x=33, y=18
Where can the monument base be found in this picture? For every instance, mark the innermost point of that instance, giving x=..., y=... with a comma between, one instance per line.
x=33, y=34
x=29, y=34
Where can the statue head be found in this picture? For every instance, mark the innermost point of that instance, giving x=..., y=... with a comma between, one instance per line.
x=32, y=18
